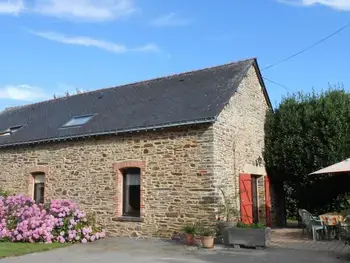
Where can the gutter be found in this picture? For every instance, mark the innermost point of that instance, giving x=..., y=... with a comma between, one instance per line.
x=109, y=132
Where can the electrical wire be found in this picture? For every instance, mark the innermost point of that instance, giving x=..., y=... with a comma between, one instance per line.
x=279, y=84
x=308, y=48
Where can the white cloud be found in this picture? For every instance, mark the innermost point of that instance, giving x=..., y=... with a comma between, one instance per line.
x=336, y=4
x=90, y=42
x=22, y=92
x=89, y=10
x=168, y=20
x=28, y=93
x=13, y=7
x=96, y=10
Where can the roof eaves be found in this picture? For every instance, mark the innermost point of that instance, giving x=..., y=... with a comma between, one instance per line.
x=109, y=132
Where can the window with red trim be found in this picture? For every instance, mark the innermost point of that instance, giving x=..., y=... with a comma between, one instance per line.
x=131, y=192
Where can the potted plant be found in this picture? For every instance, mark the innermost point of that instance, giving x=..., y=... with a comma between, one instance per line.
x=190, y=231
x=207, y=234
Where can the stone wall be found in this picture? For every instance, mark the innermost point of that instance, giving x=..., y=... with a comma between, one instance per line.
x=177, y=176
x=239, y=138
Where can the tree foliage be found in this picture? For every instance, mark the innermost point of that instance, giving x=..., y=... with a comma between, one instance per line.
x=305, y=133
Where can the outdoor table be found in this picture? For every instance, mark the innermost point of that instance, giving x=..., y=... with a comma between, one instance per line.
x=332, y=221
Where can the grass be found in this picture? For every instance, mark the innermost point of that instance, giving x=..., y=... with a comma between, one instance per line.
x=8, y=249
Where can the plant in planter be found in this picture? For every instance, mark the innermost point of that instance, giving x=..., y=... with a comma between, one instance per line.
x=208, y=235
x=255, y=225
x=250, y=235
x=190, y=231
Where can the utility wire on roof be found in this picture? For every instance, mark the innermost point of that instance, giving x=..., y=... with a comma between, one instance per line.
x=308, y=48
x=279, y=84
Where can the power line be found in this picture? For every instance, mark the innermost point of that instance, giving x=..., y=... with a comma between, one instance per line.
x=279, y=84
x=310, y=47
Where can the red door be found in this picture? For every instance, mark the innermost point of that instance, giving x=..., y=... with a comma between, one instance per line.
x=245, y=188
x=268, y=201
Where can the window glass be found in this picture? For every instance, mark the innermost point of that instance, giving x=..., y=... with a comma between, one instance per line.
x=131, y=192
x=39, y=188
x=10, y=130
x=78, y=121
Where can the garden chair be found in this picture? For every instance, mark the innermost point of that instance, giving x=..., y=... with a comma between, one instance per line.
x=302, y=215
x=311, y=223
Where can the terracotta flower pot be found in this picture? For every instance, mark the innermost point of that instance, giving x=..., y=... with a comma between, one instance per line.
x=190, y=240
x=208, y=242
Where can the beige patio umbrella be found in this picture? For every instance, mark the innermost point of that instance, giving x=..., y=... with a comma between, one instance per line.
x=341, y=167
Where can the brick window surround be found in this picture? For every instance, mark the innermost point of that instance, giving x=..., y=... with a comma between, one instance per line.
x=118, y=168
x=31, y=173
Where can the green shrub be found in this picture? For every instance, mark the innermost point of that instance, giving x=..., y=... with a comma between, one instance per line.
x=255, y=225
x=206, y=231
x=307, y=132
x=190, y=229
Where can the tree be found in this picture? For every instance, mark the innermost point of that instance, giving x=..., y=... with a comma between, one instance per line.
x=305, y=133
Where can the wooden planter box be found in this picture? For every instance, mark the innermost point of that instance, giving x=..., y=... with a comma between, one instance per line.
x=249, y=237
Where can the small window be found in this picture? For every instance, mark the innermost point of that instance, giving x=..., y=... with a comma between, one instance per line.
x=131, y=192
x=78, y=121
x=5, y=133
x=10, y=130
x=15, y=128
x=39, y=188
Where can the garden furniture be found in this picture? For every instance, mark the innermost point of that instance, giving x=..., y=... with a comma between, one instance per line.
x=312, y=223
x=332, y=220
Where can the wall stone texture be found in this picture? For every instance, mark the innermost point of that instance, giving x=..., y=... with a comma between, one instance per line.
x=176, y=179
x=182, y=167
x=239, y=138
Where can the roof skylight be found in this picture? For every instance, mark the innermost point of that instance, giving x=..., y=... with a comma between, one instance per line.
x=10, y=130
x=78, y=121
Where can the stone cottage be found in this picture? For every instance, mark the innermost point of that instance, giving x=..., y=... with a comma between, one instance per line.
x=148, y=157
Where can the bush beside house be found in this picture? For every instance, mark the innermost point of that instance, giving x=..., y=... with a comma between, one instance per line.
x=22, y=220
x=303, y=134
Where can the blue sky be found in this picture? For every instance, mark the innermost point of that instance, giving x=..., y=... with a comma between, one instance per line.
x=52, y=46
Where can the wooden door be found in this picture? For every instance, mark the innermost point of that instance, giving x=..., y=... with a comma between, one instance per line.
x=245, y=188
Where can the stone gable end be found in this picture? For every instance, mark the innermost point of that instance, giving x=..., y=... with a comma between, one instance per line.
x=239, y=139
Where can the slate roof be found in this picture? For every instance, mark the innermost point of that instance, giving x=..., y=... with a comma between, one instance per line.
x=187, y=98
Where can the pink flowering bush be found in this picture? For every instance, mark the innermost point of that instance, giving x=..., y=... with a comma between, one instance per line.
x=22, y=220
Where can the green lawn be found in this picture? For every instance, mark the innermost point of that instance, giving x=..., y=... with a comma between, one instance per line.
x=8, y=249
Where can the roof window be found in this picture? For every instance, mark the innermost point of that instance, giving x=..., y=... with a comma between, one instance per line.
x=78, y=121
x=10, y=130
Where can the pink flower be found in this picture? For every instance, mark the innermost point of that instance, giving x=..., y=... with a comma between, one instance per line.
x=36, y=224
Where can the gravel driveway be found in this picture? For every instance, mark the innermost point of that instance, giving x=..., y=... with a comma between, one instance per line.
x=150, y=251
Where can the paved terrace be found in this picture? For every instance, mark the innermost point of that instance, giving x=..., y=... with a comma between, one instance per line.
x=295, y=239
x=287, y=246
